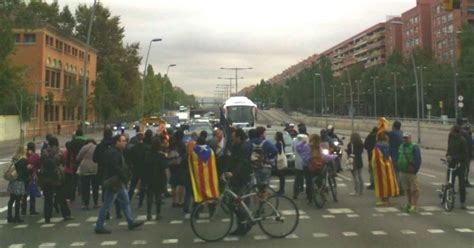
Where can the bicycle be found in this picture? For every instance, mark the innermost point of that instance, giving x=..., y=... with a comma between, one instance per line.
x=447, y=192
x=213, y=219
x=323, y=183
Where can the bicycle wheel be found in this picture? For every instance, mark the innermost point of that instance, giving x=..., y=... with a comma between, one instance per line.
x=278, y=222
x=319, y=193
x=253, y=202
x=333, y=187
x=212, y=220
x=449, y=198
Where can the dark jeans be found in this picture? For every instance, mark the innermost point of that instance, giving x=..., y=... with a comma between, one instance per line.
x=298, y=184
x=308, y=176
x=56, y=192
x=121, y=196
x=14, y=199
x=86, y=183
x=70, y=186
x=461, y=173
x=371, y=173
x=24, y=199
x=153, y=193
x=281, y=176
x=468, y=165
x=131, y=191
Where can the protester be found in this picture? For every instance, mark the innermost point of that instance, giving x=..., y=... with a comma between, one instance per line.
x=51, y=180
x=188, y=190
x=457, y=155
x=115, y=185
x=88, y=174
x=16, y=187
x=299, y=173
x=466, y=133
x=263, y=156
x=76, y=144
x=155, y=177
x=395, y=140
x=178, y=166
x=369, y=144
x=409, y=162
x=355, y=148
x=69, y=173
x=385, y=181
x=137, y=158
x=281, y=161
x=31, y=186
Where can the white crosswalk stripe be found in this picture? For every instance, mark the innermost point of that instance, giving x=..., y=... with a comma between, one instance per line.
x=378, y=233
x=170, y=241
x=228, y=239
x=350, y=234
x=44, y=245
x=260, y=237
x=464, y=230
x=109, y=243
x=435, y=231
x=320, y=235
x=16, y=245
x=292, y=236
x=139, y=242
x=408, y=232
x=78, y=244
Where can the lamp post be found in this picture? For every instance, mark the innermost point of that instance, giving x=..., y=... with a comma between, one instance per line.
x=144, y=75
x=417, y=98
x=375, y=95
x=163, y=91
x=230, y=82
x=422, y=90
x=85, y=74
x=352, y=100
x=236, y=69
x=333, y=100
x=395, y=91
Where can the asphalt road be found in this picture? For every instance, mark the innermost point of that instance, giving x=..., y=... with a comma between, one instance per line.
x=350, y=222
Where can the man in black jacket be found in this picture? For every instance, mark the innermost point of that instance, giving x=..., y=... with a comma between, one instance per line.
x=137, y=158
x=116, y=178
x=369, y=144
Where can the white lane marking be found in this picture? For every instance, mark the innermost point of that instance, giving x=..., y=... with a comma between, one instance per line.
x=139, y=242
x=350, y=234
x=377, y=215
x=408, y=232
x=304, y=217
x=328, y=216
x=426, y=213
x=202, y=221
x=91, y=219
x=470, y=207
x=464, y=230
x=320, y=235
x=260, y=237
x=3, y=209
x=431, y=208
x=470, y=212
x=352, y=215
x=123, y=223
x=151, y=222
x=170, y=241
x=341, y=185
x=175, y=222
x=378, y=233
x=437, y=184
x=57, y=219
x=340, y=211
x=108, y=243
x=78, y=244
x=73, y=224
x=3, y=222
x=367, y=184
x=225, y=220
x=286, y=180
x=40, y=221
x=292, y=236
x=47, y=245
x=427, y=175
x=47, y=225
x=289, y=212
x=403, y=214
x=347, y=178
x=231, y=239
x=196, y=240
x=339, y=179
x=20, y=226
x=16, y=246
x=435, y=231
x=387, y=210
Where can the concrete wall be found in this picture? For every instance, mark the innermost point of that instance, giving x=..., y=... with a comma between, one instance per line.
x=9, y=127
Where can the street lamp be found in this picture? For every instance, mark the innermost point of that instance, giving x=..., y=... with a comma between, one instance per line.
x=163, y=91
x=236, y=69
x=375, y=95
x=422, y=89
x=352, y=100
x=230, y=82
x=395, y=91
x=144, y=75
x=333, y=100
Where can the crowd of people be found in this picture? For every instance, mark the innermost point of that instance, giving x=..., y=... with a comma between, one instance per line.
x=149, y=163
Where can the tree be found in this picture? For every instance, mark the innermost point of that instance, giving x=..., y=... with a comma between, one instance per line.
x=66, y=22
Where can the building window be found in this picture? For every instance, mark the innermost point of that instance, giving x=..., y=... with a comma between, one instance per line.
x=450, y=16
x=17, y=38
x=470, y=10
x=30, y=38
x=52, y=78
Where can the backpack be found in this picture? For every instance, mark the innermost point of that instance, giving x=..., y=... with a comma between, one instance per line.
x=50, y=173
x=257, y=158
x=10, y=173
x=316, y=164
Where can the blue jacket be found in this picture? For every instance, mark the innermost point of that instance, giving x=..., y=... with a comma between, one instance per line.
x=395, y=140
x=269, y=149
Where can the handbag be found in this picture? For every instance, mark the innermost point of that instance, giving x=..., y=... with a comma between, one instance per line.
x=34, y=189
x=10, y=173
x=282, y=162
x=112, y=183
x=349, y=165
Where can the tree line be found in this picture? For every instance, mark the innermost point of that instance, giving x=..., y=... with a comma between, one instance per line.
x=117, y=93
x=396, y=77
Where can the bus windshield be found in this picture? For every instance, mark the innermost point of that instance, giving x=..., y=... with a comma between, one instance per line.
x=241, y=114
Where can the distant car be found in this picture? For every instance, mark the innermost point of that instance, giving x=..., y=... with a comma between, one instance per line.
x=119, y=127
x=198, y=128
x=290, y=155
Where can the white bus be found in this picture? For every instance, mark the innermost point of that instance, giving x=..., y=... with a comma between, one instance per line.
x=241, y=112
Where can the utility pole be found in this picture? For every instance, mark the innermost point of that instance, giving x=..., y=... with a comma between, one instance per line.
x=352, y=100
x=333, y=100
x=395, y=90
x=422, y=91
x=375, y=96
x=417, y=98
x=236, y=69
x=85, y=75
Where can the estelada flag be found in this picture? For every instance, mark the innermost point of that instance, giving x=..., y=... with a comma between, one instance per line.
x=203, y=170
x=384, y=174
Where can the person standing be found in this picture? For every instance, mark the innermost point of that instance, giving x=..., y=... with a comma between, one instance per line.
x=466, y=133
x=33, y=160
x=16, y=188
x=188, y=189
x=155, y=177
x=369, y=145
x=263, y=156
x=88, y=174
x=409, y=162
x=355, y=148
x=77, y=143
x=115, y=176
x=177, y=166
x=137, y=158
x=457, y=155
x=282, y=164
x=385, y=181
x=299, y=173
x=51, y=180
x=395, y=140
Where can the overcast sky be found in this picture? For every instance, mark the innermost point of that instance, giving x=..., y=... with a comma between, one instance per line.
x=202, y=36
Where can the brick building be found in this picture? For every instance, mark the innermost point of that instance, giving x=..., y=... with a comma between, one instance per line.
x=416, y=30
x=54, y=67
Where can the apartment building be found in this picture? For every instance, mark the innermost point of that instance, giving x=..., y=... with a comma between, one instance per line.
x=54, y=64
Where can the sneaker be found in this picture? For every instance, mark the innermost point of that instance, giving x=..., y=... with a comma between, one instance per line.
x=102, y=231
x=134, y=225
x=406, y=208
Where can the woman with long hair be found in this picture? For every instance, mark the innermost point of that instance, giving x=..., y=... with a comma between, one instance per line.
x=16, y=188
x=355, y=148
x=280, y=144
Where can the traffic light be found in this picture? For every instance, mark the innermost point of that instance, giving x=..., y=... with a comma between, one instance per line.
x=450, y=5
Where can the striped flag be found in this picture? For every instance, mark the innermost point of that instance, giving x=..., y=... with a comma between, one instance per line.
x=204, y=178
x=384, y=174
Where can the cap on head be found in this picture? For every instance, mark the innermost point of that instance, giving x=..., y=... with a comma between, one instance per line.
x=406, y=135
x=292, y=125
